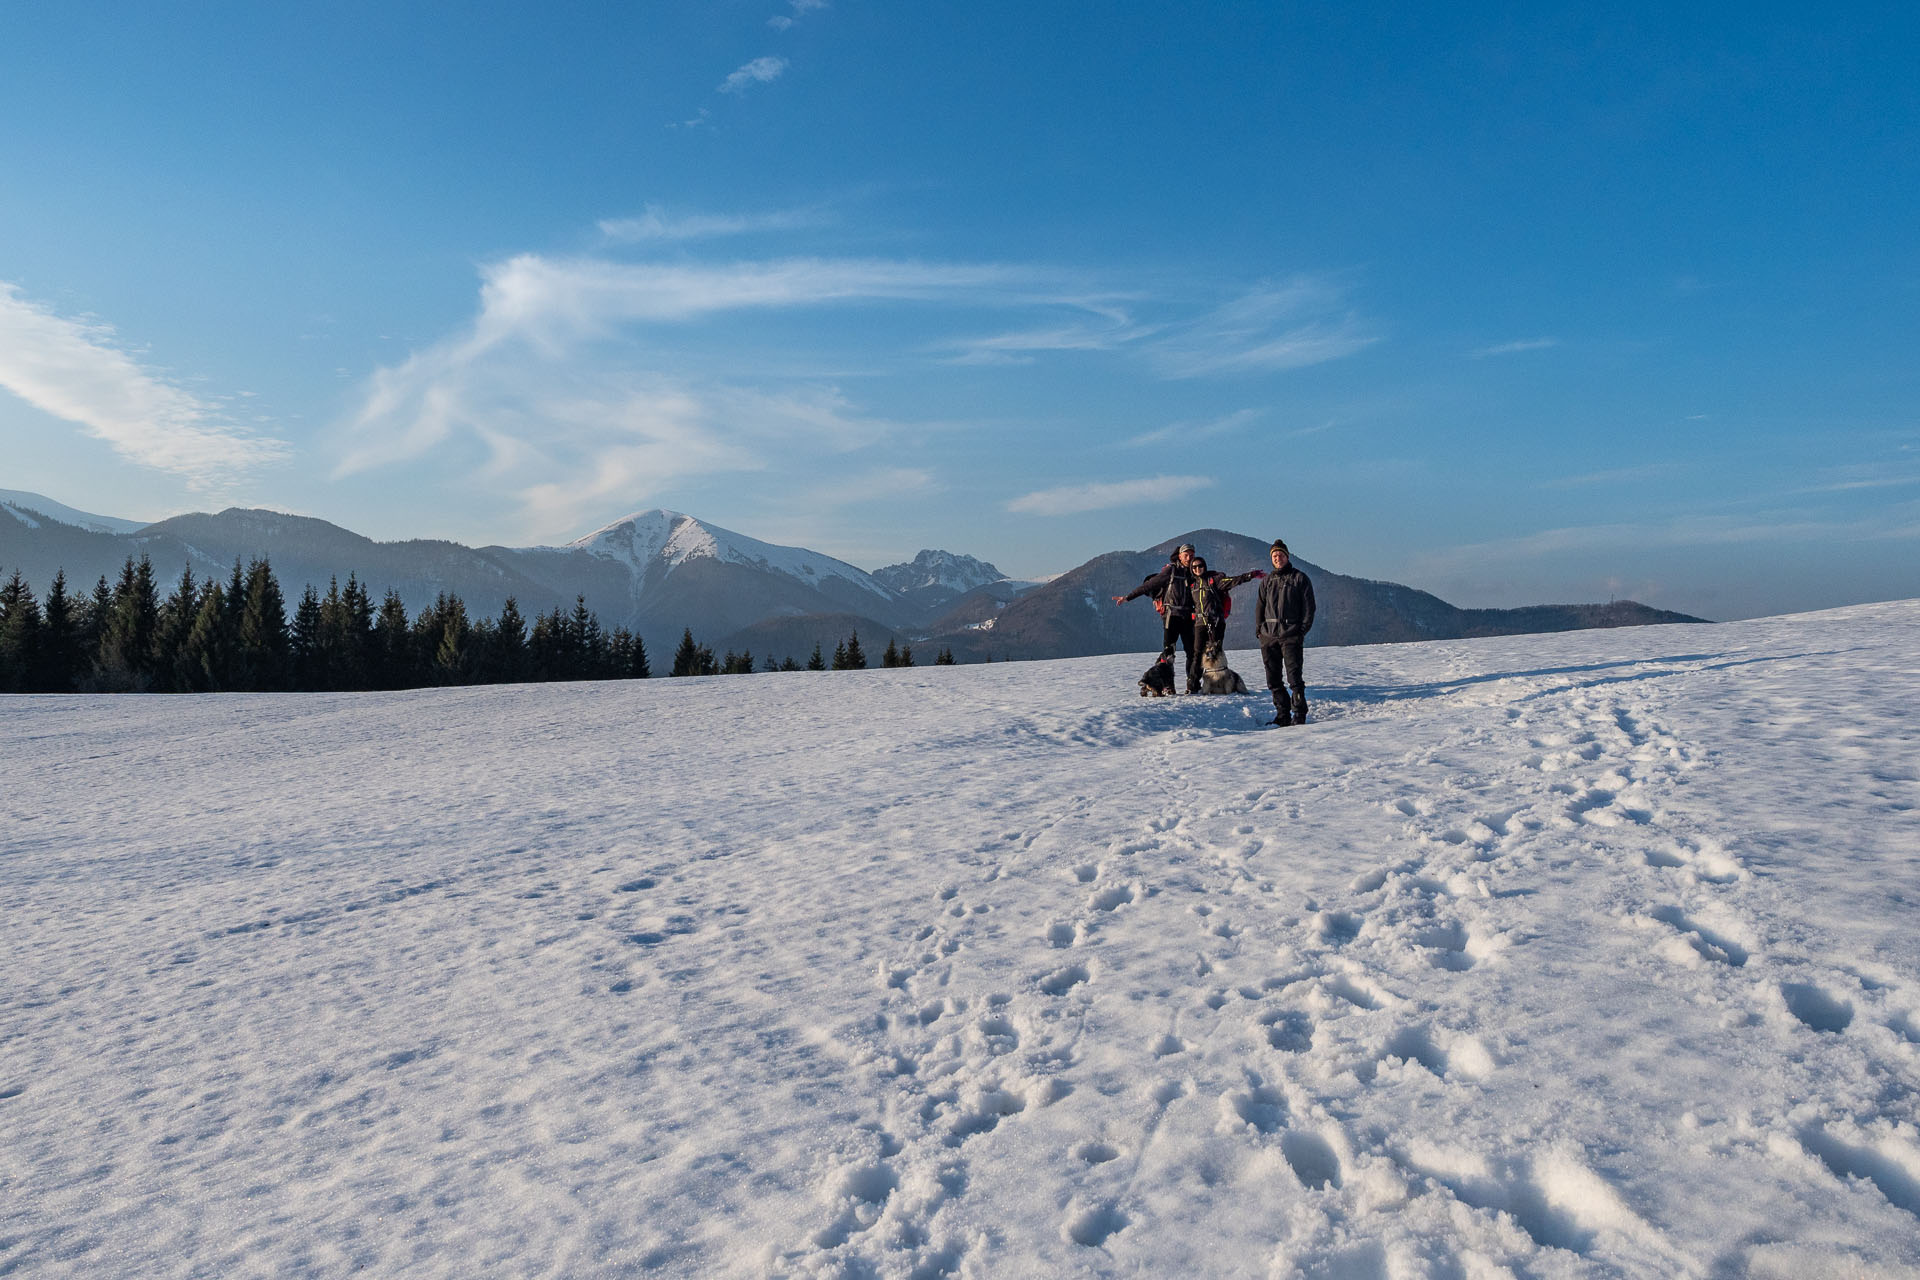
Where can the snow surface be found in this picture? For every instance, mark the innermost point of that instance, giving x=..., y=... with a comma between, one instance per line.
x=15, y=499
x=1586, y=954
x=673, y=538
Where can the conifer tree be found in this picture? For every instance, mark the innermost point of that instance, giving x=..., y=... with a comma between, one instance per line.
x=768, y=664
x=206, y=657
x=59, y=639
x=96, y=612
x=686, y=659
x=170, y=632
x=637, y=667
x=818, y=663
x=126, y=648
x=509, y=665
x=261, y=648
x=856, y=660
x=944, y=658
x=307, y=660
x=906, y=655
x=355, y=636
x=19, y=635
x=392, y=664
x=891, y=658
x=840, y=656
x=788, y=664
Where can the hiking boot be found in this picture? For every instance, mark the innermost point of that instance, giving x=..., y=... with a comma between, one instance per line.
x=1299, y=709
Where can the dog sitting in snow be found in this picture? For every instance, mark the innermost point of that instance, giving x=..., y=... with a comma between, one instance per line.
x=1215, y=675
x=1158, y=680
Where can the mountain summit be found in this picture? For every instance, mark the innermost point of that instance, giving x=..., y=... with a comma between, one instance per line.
x=653, y=544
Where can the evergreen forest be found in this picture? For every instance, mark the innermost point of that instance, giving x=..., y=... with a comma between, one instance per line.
x=136, y=635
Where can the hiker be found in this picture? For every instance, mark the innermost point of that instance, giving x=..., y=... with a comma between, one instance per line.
x=1172, y=592
x=1281, y=621
x=1213, y=602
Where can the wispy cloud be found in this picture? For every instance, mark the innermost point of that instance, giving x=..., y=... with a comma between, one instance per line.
x=1070, y=500
x=1021, y=346
x=1514, y=348
x=759, y=71
x=76, y=370
x=1612, y=476
x=801, y=8
x=655, y=223
x=1195, y=430
x=552, y=381
x=1288, y=326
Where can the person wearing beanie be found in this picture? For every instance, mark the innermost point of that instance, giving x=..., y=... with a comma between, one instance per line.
x=1282, y=617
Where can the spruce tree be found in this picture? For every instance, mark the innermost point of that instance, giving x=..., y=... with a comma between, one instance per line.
x=856, y=660
x=392, y=650
x=637, y=668
x=509, y=665
x=206, y=658
x=96, y=612
x=19, y=635
x=306, y=658
x=126, y=648
x=840, y=656
x=944, y=658
x=177, y=612
x=816, y=662
x=59, y=639
x=355, y=638
x=906, y=655
x=262, y=645
x=768, y=664
x=686, y=659
x=788, y=664
x=891, y=658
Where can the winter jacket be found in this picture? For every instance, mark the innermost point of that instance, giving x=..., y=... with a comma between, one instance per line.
x=1209, y=595
x=1285, y=609
x=1172, y=587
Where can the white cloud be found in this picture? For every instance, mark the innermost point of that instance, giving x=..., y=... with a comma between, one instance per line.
x=759, y=71
x=1183, y=431
x=655, y=223
x=75, y=370
x=1514, y=348
x=1304, y=322
x=544, y=379
x=780, y=22
x=1069, y=500
x=1020, y=346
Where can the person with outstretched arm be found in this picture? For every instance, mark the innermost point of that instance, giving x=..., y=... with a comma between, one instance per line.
x=1172, y=592
x=1281, y=621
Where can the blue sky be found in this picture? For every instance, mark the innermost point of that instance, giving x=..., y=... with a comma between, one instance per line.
x=1515, y=307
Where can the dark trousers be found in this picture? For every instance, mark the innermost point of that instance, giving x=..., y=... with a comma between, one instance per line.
x=1181, y=630
x=1282, y=661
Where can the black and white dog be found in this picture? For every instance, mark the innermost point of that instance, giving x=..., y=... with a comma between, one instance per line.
x=1158, y=680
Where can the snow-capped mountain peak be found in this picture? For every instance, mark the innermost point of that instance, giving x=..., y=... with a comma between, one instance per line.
x=671, y=538
x=942, y=569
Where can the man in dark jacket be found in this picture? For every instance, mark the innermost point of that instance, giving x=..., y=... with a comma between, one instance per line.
x=1281, y=621
x=1172, y=592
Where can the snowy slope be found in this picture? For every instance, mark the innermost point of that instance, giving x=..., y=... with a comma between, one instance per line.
x=1587, y=954
x=650, y=540
x=25, y=505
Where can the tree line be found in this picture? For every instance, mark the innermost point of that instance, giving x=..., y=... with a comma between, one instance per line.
x=205, y=636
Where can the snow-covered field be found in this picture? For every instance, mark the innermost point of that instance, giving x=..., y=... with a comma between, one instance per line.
x=1587, y=954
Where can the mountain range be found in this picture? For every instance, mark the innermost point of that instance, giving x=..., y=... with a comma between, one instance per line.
x=659, y=572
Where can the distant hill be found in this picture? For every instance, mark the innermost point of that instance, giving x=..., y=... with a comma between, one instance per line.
x=1074, y=615
x=661, y=572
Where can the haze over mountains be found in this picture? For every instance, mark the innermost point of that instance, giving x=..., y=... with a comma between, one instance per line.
x=658, y=572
